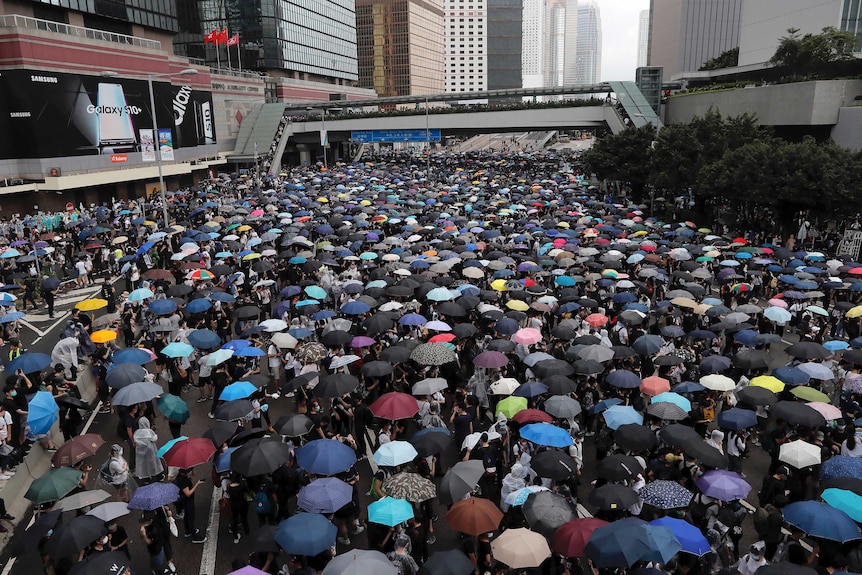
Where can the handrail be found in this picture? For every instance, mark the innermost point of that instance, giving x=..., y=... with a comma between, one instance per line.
x=30, y=23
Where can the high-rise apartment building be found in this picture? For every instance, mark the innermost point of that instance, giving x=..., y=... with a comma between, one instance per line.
x=684, y=34
x=400, y=46
x=643, y=38
x=466, y=33
x=588, y=64
x=304, y=40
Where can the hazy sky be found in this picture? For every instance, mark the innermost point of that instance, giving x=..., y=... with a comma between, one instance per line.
x=620, y=37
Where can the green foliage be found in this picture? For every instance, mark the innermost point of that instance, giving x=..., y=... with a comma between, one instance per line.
x=727, y=59
x=803, y=55
x=624, y=157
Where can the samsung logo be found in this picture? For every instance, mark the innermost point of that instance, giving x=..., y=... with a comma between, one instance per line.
x=44, y=79
x=19, y=114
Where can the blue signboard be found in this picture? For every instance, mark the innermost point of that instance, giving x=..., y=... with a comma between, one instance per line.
x=376, y=136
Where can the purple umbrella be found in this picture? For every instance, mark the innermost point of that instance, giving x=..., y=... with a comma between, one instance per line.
x=362, y=341
x=491, y=359
x=724, y=485
x=154, y=495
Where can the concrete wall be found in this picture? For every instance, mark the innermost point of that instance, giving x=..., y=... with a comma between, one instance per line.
x=800, y=104
x=848, y=131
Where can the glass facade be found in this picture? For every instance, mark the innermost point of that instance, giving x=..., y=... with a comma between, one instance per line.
x=315, y=37
x=400, y=46
x=119, y=15
x=588, y=66
x=505, y=33
x=851, y=21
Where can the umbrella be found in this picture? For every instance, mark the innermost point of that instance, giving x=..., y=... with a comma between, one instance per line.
x=570, y=539
x=70, y=538
x=109, y=511
x=635, y=437
x=845, y=500
x=490, y=359
x=220, y=432
x=821, y=520
x=42, y=412
x=717, y=382
x=450, y=562
x=510, y=406
x=310, y=352
x=724, y=485
x=816, y=371
x=472, y=516
x=798, y=413
x=360, y=562
x=617, y=467
x=618, y=544
x=81, y=499
x=189, y=452
x=666, y=411
x=432, y=354
x=326, y=457
x=431, y=440
x=562, y=407
x=263, y=540
x=177, y=349
x=663, y=494
x=756, y=396
x=841, y=466
x=554, y=465
x=261, y=456
x=808, y=350
x=690, y=537
x=678, y=435
x=737, y=419
x=410, y=486
x=133, y=355
x=91, y=305
x=618, y=415
x=395, y=453
x=29, y=363
x=546, y=434
x=460, y=480
x=237, y=390
x=325, y=495
x=30, y=539
x=173, y=407
x=234, y=410
x=154, y=495
x=336, y=385
x=705, y=454
x=54, y=485
x=204, y=339
x=429, y=386
x=674, y=398
x=77, y=449
x=390, y=511
x=546, y=511
x=394, y=406
x=520, y=548
x=612, y=496
x=306, y=534
x=124, y=374
x=139, y=392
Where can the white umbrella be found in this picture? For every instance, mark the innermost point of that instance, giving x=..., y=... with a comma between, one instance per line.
x=471, y=440
x=799, y=454
x=342, y=360
x=505, y=386
x=273, y=325
x=817, y=371
x=520, y=548
x=429, y=386
x=284, y=340
x=717, y=382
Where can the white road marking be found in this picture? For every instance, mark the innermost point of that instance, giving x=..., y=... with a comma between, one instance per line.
x=211, y=545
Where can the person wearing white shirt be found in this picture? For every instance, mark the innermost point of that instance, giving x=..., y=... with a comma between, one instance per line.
x=275, y=363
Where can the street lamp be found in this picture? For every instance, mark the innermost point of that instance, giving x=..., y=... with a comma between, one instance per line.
x=324, y=140
x=157, y=148
x=427, y=144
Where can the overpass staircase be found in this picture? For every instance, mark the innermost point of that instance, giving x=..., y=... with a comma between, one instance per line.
x=258, y=131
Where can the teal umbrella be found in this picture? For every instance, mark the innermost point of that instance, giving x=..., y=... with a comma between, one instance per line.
x=845, y=500
x=178, y=349
x=54, y=485
x=219, y=356
x=390, y=511
x=167, y=446
x=315, y=292
x=173, y=408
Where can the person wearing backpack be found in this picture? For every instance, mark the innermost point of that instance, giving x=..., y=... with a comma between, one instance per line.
x=262, y=503
x=237, y=490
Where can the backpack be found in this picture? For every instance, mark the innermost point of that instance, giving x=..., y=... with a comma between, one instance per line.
x=262, y=503
x=489, y=461
x=105, y=472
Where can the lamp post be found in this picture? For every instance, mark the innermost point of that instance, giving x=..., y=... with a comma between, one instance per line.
x=427, y=144
x=324, y=139
x=156, y=147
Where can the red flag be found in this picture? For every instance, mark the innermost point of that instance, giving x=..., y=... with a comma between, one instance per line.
x=221, y=37
x=211, y=37
x=233, y=40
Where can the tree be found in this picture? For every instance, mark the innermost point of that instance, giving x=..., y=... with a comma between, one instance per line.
x=625, y=157
x=727, y=59
x=804, y=55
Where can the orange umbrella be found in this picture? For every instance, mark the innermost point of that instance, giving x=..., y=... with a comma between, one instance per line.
x=103, y=336
x=596, y=319
x=474, y=516
x=654, y=385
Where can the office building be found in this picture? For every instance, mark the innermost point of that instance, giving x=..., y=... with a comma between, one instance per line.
x=643, y=38
x=571, y=51
x=588, y=64
x=684, y=34
x=504, y=32
x=400, y=46
x=533, y=55
x=466, y=34
x=555, y=42
x=764, y=22
x=291, y=38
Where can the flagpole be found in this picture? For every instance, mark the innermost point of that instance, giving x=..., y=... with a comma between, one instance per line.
x=227, y=49
x=238, y=57
x=218, y=54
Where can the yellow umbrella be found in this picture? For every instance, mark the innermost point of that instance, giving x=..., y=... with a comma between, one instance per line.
x=253, y=256
x=609, y=273
x=243, y=228
x=149, y=223
x=103, y=336
x=496, y=285
x=119, y=240
x=91, y=304
x=770, y=382
x=854, y=312
x=323, y=200
x=517, y=305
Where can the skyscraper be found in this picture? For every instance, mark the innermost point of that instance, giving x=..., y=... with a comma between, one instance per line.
x=505, y=43
x=643, y=38
x=684, y=34
x=466, y=33
x=533, y=55
x=555, y=42
x=571, y=57
x=588, y=65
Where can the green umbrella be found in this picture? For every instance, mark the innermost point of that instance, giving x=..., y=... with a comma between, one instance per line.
x=173, y=408
x=54, y=485
x=511, y=405
x=809, y=394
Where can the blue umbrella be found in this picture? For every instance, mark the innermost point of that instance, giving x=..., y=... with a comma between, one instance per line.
x=648, y=344
x=624, y=379
x=791, y=375
x=236, y=344
x=688, y=387
x=177, y=349
x=531, y=389
x=674, y=398
x=617, y=415
x=618, y=544
x=42, y=412
x=355, y=308
x=167, y=446
x=395, y=453
x=605, y=404
x=690, y=537
x=845, y=500
x=204, y=339
x=546, y=434
x=841, y=466
x=250, y=351
x=238, y=390
x=29, y=363
x=306, y=534
x=390, y=511
x=199, y=305
x=140, y=294
x=162, y=306
x=412, y=319
x=222, y=460
x=737, y=419
x=662, y=542
x=664, y=494
x=325, y=457
x=12, y=317
x=134, y=355
x=821, y=520
x=325, y=495
x=222, y=297
x=315, y=292
x=746, y=337
x=154, y=495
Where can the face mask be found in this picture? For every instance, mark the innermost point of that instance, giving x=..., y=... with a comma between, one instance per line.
x=103, y=540
x=14, y=393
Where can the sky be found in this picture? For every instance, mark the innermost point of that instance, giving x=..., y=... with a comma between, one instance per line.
x=620, y=37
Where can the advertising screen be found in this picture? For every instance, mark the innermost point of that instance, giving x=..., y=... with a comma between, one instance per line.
x=50, y=115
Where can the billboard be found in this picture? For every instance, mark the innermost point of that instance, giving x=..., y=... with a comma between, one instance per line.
x=48, y=114
x=375, y=136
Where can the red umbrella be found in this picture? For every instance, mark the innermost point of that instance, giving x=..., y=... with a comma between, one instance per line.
x=394, y=405
x=442, y=338
x=569, y=540
x=190, y=452
x=596, y=319
x=532, y=416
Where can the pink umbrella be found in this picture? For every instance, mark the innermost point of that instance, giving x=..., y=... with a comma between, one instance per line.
x=527, y=336
x=829, y=412
x=778, y=303
x=394, y=406
x=256, y=213
x=655, y=385
x=362, y=341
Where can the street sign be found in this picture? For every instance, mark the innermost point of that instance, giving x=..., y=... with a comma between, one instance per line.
x=378, y=136
x=70, y=207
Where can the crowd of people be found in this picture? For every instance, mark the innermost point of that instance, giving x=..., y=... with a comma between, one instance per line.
x=568, y=382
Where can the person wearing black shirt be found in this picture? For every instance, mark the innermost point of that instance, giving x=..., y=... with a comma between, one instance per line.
x=16, y=405
x=219, y=381
x=153, y=537
x=186, y=503
x=773, y=487
x=362, y=418
x=108, y=293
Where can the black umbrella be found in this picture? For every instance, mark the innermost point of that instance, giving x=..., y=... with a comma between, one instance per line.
x=451, y=309
x=124, y=374
x=29, y=540
x=263, y=540
x=554, y=465
x=336, y=338
x=179, y=290
x=751, y=359
x=613, y=496
x=220, y=432
x=70, y=538
x=546, y=511
x=635, y=437
x=798, y=413
x=294, y=425
x=678, y=435
x=431, y=441
x=808, y=350
x=451, y=562
x=299, y=381
x=246, y=435
x=853, y=356
x=560, y=385
x=69, y=401
x=234, y=410
x=549, y=367
x=247, y=312
x=463, y=330
x=377, y=369
x=618, y=467
x=378, y=323
x=587, y=367
x=756, y=395
x=706, y=454
x=396, y=354
x=623, y=351
x=259, y=457
x=111, y=563
x=459, y=481
x=335, y=385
